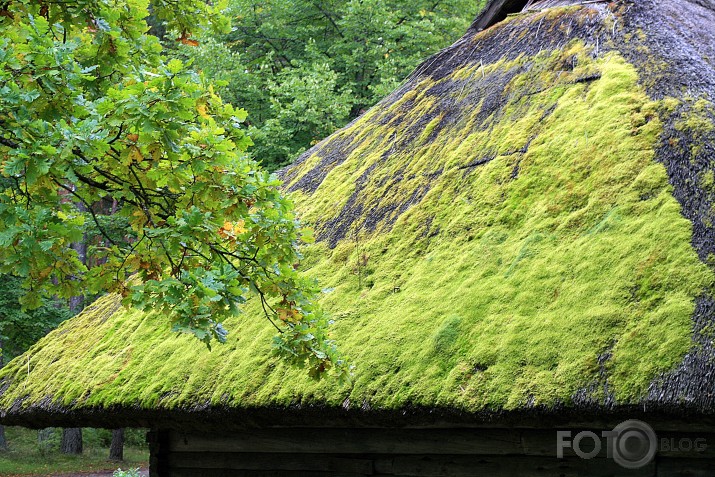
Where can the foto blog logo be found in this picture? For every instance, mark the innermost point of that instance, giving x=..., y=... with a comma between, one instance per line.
x=631, y=444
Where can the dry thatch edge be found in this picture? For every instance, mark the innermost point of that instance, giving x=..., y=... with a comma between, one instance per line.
x=208, y=417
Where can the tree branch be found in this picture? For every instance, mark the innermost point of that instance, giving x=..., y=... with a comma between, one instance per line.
x=89, y=209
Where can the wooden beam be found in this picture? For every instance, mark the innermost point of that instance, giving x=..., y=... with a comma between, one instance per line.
x=253, y=473
x=436, y=466
x=254, y=461
x=499, y=466
x=356, y=441
x=536, y=442
x=158, y=451
x=685, y=468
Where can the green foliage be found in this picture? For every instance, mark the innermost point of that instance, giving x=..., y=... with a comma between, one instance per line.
x=19, y=328
x=48, y=441
x=91, y=112
x=126, y=473
x=305, y=68
x=95, y=437
x=306, y=105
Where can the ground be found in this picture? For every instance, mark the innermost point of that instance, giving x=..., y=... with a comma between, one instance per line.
x=143, y=473
x=27, y=458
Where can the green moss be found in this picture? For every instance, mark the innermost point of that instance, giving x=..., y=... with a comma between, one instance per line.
x=446, y=336
x=429, y=128
x=502, y=283
x=696, y=119
x=669, y=104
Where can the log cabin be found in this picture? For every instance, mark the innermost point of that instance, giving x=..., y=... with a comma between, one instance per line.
x=533, y=211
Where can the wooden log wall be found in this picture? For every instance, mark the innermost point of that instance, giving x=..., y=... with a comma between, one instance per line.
x=297, y=452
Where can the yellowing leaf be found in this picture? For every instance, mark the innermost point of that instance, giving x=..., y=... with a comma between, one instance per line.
x=45, y=272
x=184, y=38
x=202, y=109
x=135, y=154
x=230, y=229
x=155, y=151
x=239, y=227
x=289, y=315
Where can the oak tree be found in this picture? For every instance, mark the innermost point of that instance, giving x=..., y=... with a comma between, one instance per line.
x=92, y=113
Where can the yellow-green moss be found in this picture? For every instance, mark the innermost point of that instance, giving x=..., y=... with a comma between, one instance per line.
x=504, y=284
x=697, y=120
x=429, y=128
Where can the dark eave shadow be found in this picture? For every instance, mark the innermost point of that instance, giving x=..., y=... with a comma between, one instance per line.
x=496, y=11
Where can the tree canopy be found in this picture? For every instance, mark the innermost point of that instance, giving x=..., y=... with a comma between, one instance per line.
x=19, y=329
x=304, y=68
x=92, y=113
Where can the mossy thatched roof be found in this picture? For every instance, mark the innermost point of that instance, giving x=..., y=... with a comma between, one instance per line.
x=524, y=226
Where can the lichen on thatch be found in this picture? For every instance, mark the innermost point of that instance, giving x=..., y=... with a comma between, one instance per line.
x=508, y=229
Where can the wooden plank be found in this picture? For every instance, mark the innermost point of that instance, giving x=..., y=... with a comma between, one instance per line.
x=676, y=445
x=154, y=450
x=415, y=441
x=418, y=441
x=690, y=445
x=544, y=443
x=497, y=466
x=360, y=441
x=463, y=466
x=685, y=468
x=283, y=465
x=253, y=473
x=253, y=461
x=158, y=449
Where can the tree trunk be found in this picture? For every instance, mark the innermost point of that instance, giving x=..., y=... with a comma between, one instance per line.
x=116, y=449
x=72, y=436
x=71, y=441
x=43, y=435
x=77, y=302
x=3, y=440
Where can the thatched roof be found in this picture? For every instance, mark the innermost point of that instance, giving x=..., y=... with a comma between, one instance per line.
x=524, y=227
x=497, y=10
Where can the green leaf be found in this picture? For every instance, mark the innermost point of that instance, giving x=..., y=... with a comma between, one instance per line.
x=175, y=66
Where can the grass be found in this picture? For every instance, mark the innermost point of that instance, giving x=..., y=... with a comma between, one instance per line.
x=502, y=284
x=26, y=457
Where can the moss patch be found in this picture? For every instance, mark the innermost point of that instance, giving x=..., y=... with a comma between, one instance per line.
x=488, y=235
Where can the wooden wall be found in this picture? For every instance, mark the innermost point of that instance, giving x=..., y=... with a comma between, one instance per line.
x=294, y=452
